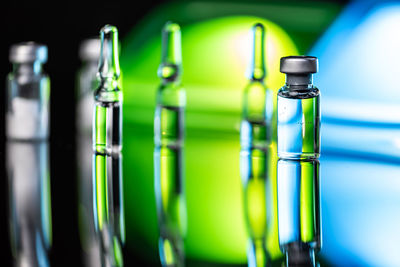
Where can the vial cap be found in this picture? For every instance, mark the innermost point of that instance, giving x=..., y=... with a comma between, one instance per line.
x=89, y=49
x=299, y=65
x=28, y=52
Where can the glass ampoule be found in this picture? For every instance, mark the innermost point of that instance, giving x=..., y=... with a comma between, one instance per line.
x=107, y=131
x=168, y=151
x=107, y=146
x=255, y=141
x=28, y=93
x=298, y=165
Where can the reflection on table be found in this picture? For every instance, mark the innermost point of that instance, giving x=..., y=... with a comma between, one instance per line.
x=29, y=202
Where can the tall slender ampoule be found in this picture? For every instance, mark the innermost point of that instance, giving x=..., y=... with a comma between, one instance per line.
x=168, y=151
x=107, y=146
x=255, y=140
x=298, y=165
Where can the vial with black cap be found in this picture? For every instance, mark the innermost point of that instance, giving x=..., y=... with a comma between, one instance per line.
x=298, y=166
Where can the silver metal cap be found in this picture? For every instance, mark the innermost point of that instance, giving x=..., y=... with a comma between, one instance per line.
x=299, y=65
x=28, y=52
x=89, y=49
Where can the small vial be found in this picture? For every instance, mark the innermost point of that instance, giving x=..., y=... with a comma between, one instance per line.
x=255, y=141
x=107, y=146
x=298, y=165
x=28, y=88
x=168, y=151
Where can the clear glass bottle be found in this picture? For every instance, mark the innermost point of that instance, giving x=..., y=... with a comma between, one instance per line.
x=298, y=165
x=168, y=151
x=255, y=141
x=107, y=146
x=28, y=88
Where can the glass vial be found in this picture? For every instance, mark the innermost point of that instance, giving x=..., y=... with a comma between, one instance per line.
x=107, y=147
x=168, y=151
x=298, y=165
x=255, y=141
x=28, y=88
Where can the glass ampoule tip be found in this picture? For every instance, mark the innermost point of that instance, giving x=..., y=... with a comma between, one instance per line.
x=171, y=58
x=109, y=55
x=257, y=69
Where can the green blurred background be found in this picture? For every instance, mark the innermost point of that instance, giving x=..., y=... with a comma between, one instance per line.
x=216, y=47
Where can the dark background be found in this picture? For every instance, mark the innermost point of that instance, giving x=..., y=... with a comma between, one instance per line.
x=61, y=25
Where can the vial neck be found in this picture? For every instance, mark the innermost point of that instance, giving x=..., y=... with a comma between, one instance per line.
x=27, y=68
x=299, y=80
x=108, y=83
x=300, y=257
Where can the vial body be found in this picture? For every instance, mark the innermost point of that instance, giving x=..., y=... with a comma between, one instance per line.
x=27, y=115
x=107, y=146
x=299, y=122
x=107, y=131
